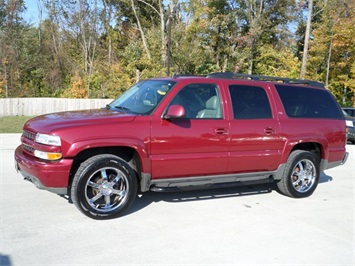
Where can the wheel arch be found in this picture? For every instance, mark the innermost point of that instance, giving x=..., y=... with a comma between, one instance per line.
x=313, y=147
x=316, y=148
x=128, y=154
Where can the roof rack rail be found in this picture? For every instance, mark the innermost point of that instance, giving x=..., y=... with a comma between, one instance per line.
x=187, y=75
x=231, y=75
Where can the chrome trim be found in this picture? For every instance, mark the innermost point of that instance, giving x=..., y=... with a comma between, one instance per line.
x=303, y=176
x=106, y=190
x=345, y=158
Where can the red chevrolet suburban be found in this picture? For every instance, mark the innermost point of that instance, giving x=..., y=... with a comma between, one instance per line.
x=186, y=132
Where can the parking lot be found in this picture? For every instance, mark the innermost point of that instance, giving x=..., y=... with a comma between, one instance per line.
x=236, y=226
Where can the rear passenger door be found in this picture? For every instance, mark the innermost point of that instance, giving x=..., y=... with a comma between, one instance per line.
x=256, y=144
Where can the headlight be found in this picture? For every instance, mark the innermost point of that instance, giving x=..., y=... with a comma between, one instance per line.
x=48, y=139
x=349, y=123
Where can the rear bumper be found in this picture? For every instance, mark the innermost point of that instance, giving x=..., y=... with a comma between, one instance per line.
x=51, y=176
x=327, y=165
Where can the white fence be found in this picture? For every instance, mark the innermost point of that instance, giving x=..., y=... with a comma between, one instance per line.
x=38, y=106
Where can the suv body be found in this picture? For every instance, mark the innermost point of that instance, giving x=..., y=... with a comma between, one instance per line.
x=350, y=127
x=350, y=111
x=186, y=132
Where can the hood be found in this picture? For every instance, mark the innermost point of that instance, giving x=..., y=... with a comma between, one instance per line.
x=50, y=122
x=350, y=121
x=348, y=117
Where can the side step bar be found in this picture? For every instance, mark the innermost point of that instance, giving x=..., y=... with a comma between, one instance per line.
x=208, y=182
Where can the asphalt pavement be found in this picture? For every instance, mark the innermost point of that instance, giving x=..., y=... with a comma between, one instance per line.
x=234, y=226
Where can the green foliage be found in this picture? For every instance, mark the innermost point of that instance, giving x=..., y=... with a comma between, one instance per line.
x=332, y=50
x=97, y=51
x=275, y=62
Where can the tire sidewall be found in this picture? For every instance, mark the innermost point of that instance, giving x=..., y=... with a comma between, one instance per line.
x=295, y=158
x=85, y=172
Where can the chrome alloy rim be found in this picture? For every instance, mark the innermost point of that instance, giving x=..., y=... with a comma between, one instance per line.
x=106, y=189
x=303, y=176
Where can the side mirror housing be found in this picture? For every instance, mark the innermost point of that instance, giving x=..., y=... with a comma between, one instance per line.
x=175, y=111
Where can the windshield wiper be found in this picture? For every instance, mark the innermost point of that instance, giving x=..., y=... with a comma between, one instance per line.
x=124, y=109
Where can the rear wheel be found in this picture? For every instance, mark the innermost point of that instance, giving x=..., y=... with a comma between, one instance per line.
x=301, y=175
x=104, y=187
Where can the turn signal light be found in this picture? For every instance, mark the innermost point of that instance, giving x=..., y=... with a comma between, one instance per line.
x=51, y=156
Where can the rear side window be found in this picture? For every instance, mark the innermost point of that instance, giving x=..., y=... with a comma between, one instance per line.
x=249, y=102
x=307, y=102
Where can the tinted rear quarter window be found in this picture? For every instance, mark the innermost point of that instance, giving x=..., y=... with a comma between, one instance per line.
x=306, y=102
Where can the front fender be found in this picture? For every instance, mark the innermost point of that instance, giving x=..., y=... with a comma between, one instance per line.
x=138, y=145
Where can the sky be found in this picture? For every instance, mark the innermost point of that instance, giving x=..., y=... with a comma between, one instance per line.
x=31, y=14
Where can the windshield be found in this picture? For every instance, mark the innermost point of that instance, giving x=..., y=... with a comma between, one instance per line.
x=142, y=97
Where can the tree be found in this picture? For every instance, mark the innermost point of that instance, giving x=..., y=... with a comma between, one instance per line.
x=12, y=29
x=262, y=21
x=94, y=48
x=343, y=54
x=331, y=54
x=306, y=40
x=277, y=61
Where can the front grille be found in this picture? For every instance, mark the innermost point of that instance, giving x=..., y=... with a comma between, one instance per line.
x=29, y=135
x=28, y=148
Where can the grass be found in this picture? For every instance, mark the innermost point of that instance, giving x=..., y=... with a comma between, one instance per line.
x=12, y=124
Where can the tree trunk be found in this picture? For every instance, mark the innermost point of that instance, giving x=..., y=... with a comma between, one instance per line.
x=169, y=44
x=107, y=21
x=328, y=64
x=255, y=12
x=163, y=38
x=141, y=30
x=306, y=40
x=40, y=17
x=251, y=57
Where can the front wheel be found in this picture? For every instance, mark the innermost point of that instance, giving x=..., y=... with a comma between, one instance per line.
x=301, y=175
x=104, y=187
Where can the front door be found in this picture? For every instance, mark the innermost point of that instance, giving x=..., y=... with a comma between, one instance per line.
x=195, y=144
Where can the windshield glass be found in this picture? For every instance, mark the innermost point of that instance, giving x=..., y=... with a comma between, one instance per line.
x=142, y=97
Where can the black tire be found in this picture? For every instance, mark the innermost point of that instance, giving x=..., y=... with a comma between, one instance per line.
x=301, y=175
x=104, y=187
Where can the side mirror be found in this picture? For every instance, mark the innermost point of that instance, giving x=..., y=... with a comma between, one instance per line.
x=175, y=111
